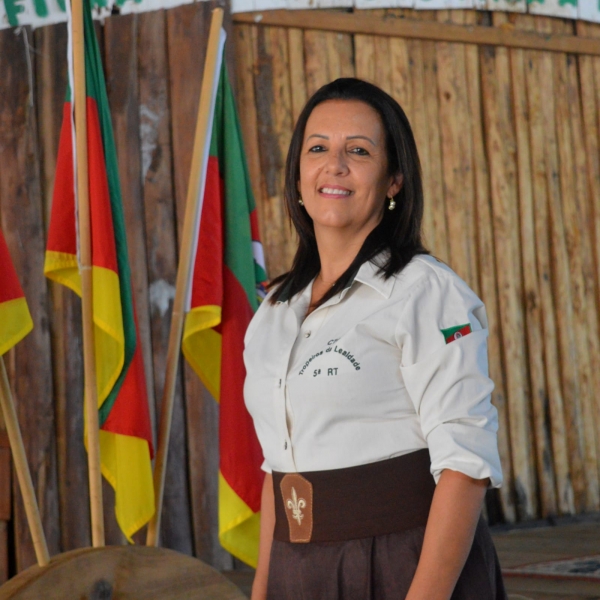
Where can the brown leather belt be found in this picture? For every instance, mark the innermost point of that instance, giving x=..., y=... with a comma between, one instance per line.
x=388, y=496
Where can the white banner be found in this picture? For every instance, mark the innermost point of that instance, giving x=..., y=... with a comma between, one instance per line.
x=36, y=13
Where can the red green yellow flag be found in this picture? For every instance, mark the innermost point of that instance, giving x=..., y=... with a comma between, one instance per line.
x=15, y=320
x=125, y=429
x=226, y=284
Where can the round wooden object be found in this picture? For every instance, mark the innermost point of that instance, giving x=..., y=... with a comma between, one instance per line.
x=121, y=573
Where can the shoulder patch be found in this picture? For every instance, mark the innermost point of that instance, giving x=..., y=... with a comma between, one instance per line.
x=455, y=333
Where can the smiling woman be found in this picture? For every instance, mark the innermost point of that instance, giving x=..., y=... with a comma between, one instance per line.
x=367, y=379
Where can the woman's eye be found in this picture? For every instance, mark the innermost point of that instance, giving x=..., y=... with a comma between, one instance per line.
x=316, y=149
x=359, y=151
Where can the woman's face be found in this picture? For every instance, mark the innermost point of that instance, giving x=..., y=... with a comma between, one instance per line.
x=343, y=167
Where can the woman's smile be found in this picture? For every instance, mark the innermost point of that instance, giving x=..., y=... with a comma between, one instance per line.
x=334, y=191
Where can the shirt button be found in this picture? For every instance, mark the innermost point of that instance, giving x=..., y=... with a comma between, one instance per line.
x=307, y=334
x=279, y=383
x=285, y=446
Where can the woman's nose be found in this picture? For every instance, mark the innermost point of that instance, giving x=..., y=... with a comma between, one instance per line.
x=336, y=162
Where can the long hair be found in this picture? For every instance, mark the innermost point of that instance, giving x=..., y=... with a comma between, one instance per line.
x=399, y=231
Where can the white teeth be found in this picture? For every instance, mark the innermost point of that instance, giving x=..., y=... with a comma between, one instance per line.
x=326, y=190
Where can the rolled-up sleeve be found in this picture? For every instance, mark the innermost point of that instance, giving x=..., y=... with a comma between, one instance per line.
x=442, y=334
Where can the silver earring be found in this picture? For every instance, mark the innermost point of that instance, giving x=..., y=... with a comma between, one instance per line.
x=300, y=201
x=392, y=205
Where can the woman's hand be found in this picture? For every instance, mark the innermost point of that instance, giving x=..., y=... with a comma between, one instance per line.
x=267, y=526
x=453, y=517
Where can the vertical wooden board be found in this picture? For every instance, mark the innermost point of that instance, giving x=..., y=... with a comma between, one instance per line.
x=315, y=60
x=382, y=66
x=594, y=31
x=65, y=313
x=5, y=476
x=4, y=559
x=382, y=75
x=484, y=239
x=29, y=364
x=400, y=74
x=364, y=57
x=268, y=91
x=584, y=235
x=340, y=55
x=327, y=56
x=246, y=104
x=283, y=123
x=538, y=296
x=5, y=501
x=583, y=403
x=457, y=153
x=297, y=75
x=161, y=251
x=436, y=185
x=533, y=317
x=559, y=273
x=585, y=215
x=589, y=80
x=501, y=147
x=417, y=116
x=537, y=78
x=589, y=68
x=187, y=34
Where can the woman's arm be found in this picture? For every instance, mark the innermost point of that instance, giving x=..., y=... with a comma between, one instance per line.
x=267, y=526
x=453, y=517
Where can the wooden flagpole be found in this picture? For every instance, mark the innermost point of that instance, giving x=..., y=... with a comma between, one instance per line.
x=22, y=469
x=209, y=80
x=85, y=256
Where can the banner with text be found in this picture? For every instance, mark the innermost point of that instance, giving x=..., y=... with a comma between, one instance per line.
x=14, y=13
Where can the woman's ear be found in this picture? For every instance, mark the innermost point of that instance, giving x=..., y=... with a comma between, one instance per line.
x=396, y=185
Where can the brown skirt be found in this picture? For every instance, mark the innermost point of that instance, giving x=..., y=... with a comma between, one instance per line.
x=340, y=535
x=375, y=568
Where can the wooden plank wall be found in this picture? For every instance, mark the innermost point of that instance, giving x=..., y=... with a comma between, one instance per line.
x=153, y=66
x=509, y=145
x=510, y=151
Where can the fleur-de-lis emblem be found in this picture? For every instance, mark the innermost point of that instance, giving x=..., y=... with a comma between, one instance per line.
x=296, y=505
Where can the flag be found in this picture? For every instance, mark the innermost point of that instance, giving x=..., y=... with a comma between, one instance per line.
x=125, y=429
x=15, y=320
x=226, y=282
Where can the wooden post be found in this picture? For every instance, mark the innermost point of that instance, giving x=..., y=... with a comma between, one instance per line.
x=85, y=252
x=22, y=469
x=209, y=80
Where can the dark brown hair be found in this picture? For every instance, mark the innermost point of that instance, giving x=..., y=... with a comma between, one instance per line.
x=399, y=231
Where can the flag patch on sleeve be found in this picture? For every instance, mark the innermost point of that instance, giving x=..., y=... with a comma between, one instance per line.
x=455, y=333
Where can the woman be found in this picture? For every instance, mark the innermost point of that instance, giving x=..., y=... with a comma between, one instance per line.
x=367, y=379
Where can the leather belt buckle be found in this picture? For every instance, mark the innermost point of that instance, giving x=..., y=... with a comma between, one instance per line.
x=297, y=494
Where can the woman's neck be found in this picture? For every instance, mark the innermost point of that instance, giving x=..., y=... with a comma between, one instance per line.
x=336, y=254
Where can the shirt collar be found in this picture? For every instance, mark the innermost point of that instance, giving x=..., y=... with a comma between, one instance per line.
x=368, y=273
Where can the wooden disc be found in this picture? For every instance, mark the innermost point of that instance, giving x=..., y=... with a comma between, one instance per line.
x=123, y=573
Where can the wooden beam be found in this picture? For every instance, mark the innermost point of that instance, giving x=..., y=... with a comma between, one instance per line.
x=364, y=23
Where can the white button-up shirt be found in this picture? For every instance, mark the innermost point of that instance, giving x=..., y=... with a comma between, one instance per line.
x=385, y=368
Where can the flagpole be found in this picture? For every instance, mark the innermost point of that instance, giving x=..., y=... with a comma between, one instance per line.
x=85, y=256
x=22, y=469
x=209, y=80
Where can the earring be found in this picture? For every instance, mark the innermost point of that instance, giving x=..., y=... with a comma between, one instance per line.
x=300, y=201
x=392, y=205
